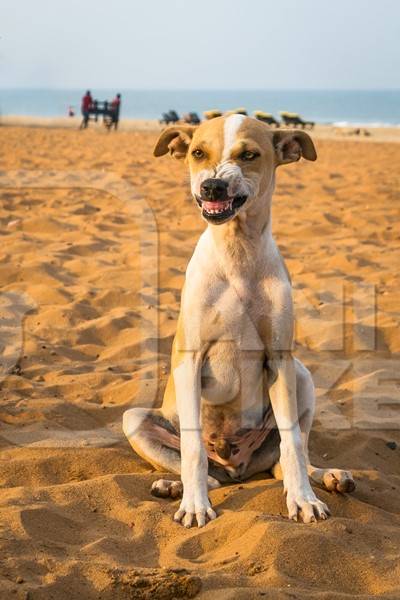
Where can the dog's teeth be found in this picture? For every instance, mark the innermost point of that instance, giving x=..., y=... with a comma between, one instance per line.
x=217, y=211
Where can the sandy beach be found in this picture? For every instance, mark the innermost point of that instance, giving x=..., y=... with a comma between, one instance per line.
x=320, y=131
x=87, y=327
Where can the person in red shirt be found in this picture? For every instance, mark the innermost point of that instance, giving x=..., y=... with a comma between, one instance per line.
x=115, y=108
x=87, y=102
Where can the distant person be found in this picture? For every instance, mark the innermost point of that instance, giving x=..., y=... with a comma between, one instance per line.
x=71, y=112
x=87, y=103
x=115, y=108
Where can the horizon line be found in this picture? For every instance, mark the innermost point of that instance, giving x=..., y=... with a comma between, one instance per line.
x=203, y=89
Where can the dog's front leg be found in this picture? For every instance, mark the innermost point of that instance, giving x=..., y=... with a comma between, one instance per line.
x=194, y=462
x=300, y=496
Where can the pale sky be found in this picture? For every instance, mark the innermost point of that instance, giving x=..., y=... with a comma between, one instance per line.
x=202, y=44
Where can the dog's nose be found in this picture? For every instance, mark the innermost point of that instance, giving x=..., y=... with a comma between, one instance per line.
x=214, y=189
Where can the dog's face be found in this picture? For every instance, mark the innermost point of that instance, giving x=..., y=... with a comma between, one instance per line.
x=232, y=161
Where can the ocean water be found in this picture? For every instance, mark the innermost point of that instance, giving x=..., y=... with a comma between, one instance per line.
x=323, y=106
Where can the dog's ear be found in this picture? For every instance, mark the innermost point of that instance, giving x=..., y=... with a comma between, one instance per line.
x=290, y=146
x=175, y=140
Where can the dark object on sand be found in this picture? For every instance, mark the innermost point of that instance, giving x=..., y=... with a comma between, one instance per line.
x=391, y=445
x=102, y=109
x=265, y=117
x=359, y=131
x=294, y=119
x=169, y=117
x=237, y=111
x=93, y=109
x=212, y=114
x=192, y=118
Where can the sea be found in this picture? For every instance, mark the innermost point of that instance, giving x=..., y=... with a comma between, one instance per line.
x=340, y=107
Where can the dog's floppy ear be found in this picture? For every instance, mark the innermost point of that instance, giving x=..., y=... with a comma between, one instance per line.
x=290, y=146
x=175, y=140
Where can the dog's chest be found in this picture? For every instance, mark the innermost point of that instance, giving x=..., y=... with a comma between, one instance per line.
x=236, y=310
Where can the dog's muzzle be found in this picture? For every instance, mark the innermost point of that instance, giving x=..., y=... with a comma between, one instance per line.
x=216, y=204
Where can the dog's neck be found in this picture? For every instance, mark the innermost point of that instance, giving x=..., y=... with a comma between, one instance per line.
x=240, y=242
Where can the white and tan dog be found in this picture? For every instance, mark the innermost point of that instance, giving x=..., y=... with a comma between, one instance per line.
x=237, y=402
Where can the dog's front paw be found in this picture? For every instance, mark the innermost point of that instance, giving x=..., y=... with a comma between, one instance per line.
x=307, y=507
x=191, y=507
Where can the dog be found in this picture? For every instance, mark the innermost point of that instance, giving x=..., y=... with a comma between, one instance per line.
x=237, y=402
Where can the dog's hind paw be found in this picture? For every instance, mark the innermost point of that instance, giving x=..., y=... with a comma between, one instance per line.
x=336, y=480
x=165, y=488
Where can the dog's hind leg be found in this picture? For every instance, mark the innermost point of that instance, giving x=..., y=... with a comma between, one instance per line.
x=265, y=457
x=332, y=479
x=157, y=441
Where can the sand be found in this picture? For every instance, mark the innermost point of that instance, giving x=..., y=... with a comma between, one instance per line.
x=80, y=344
x=320, y=131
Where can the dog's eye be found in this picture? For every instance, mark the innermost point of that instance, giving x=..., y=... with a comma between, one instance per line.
x=198, y=153
x=248, y=155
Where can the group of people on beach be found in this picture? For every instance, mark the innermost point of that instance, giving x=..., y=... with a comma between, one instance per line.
x=91, y=107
